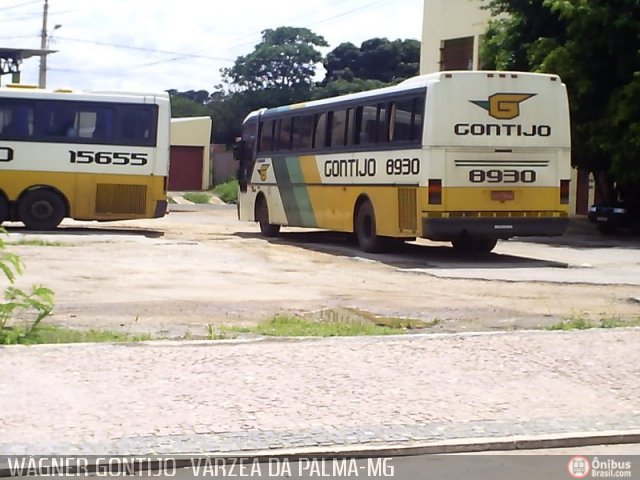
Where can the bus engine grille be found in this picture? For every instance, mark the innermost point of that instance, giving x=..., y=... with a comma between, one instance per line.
x=117, y=198
x=407, y=216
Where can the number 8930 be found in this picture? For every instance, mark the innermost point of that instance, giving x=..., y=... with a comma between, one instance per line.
x=502, y=176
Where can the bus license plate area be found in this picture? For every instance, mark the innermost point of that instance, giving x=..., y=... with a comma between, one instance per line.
x=503, y=195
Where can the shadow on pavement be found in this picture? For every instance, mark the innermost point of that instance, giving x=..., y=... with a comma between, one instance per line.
x=404, y=256
x=93, y=230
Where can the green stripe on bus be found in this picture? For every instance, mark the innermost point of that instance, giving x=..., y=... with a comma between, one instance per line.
x=294, y=193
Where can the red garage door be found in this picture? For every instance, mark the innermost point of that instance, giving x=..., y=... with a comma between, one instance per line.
x=185, y=169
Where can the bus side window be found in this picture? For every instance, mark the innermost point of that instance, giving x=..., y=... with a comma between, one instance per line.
x=302, y=132
x=283, y=135
x=266, y=136
x=352, y=137
x=382, y=123
x=16, y=121
x=320, y=134
x=401, y=121
x=338, y=128
x=368, y=124
x=417, y=118
x=103, y=129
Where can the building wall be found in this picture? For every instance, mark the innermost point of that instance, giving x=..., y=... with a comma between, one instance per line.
x=448, y=20
x=194, y=132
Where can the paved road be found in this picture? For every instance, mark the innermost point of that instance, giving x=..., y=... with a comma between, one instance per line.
x=322, y=394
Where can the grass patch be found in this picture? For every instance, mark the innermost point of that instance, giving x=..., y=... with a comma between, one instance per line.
x=171, y=201
x=36, y=242
x=197, y=197
x=583, y=322
x=46, y=334
x=291, y=326
x=227, y=191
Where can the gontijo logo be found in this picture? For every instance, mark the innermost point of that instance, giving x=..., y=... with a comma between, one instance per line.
x=262, y=171
x=504, y=106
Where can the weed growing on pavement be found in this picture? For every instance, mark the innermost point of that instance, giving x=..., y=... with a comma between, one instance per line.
x=583, y=322
x=197, y=197
x=38, y=302
x=36, y=242
x=227, y=191
x=292, y=326
x=54, y=334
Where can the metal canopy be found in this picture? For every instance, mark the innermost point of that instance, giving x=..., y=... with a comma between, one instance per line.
x=11, y=58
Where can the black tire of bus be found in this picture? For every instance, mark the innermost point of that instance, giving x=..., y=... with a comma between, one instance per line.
x=4, y=209
x=365, y=229
x=262, y=217
x=466, y=243
x=41, y=209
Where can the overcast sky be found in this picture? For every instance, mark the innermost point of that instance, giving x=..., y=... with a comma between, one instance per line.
x=181, y=44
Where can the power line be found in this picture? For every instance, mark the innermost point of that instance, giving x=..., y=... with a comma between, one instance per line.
x=19, y=5
x=142, y=49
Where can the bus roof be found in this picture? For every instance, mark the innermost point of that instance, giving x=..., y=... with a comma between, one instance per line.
x=32, y=91
x=414, y=83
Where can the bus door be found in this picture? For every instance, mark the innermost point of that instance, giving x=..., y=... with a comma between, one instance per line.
x=244, y=152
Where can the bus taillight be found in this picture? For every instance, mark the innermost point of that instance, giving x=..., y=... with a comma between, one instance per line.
x=435, y=192
x=564, y=191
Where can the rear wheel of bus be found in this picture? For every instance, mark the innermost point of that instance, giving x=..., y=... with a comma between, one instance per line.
x=365, y=228
x=262, y=217
x=41, y=209
x=466, y=243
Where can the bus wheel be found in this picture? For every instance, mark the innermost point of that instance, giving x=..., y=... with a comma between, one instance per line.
x=469, y=244
x=4, y=209
x=41, y=209
x=262, y=217
x=365, y=228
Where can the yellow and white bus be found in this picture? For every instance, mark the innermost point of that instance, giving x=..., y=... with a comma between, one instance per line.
x=465, y=157
x=87, y=156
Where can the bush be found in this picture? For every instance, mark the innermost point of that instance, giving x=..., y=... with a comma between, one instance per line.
x=228, y=191
x=39, y=300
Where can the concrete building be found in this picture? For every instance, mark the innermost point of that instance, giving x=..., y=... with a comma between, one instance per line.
x=452, y=31
x=190, y=167
x=451, y=35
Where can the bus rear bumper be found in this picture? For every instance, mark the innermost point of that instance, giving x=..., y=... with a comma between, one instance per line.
x=161, y=209
x=452, y=228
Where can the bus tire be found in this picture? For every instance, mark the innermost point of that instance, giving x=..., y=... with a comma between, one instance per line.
x=365, y=228
x=466, y=243
x=41, y=209
x=262, y=217
x=4, y=209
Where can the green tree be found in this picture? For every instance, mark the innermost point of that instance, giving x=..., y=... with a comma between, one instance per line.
x=185, y=104
x=285, y=59
x=594, y=46
x=376, y=59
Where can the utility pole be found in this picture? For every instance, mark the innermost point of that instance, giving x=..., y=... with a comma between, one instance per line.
x=42, y=78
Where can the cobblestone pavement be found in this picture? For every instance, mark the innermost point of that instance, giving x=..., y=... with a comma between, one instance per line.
x=230, y=396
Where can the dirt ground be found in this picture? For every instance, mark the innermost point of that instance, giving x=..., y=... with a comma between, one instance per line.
x=200, y=266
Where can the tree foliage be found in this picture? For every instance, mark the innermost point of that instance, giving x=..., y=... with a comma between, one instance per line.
x=376, y=59
x=282, y=69
x=594, y=45
x=286, y=58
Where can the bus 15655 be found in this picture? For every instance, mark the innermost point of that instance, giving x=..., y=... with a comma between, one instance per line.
x=88, y=156
x=465, y=157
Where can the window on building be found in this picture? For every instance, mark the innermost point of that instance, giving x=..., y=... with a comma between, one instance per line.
x=457, y=54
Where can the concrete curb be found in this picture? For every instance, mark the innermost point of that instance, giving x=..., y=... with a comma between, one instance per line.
x=457, y=446
x=472, y=445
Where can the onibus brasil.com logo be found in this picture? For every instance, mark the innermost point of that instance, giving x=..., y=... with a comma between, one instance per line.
x=582, y=467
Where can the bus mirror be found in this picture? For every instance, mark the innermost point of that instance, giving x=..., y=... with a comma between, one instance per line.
x=238, y=149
